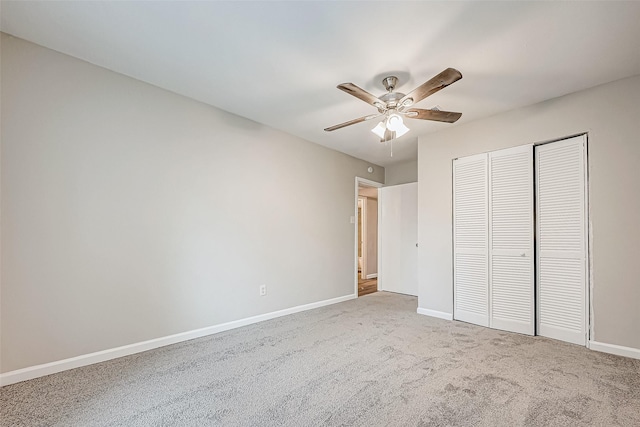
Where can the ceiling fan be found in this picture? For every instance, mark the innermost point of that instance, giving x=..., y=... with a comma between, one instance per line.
x=394, y=105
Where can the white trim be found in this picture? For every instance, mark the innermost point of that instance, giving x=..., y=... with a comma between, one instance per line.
x=378, y=243
x=434, y=313
x=588, y=250
x=619, y=350
x=363, y=238
x=372, y=276
x=32, y=372
x=367, y=183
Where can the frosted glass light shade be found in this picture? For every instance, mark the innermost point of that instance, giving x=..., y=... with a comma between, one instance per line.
x=379, y=130
x=402, y=129
x=396, y=124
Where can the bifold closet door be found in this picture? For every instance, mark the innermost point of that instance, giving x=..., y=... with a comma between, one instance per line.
x=562, y=240
x=511, y=244
x=493, y=240
x=470, y=240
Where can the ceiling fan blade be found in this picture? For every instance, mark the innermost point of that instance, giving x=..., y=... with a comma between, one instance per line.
x=362, y=94
x=442, y=80
x=352, y=122
x=437, y=115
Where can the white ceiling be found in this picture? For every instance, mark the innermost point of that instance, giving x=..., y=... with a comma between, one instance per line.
x=278, y=62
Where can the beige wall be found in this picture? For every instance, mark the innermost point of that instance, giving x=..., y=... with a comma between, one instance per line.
x=127, y=215
x=401, y=173
x=611, y=115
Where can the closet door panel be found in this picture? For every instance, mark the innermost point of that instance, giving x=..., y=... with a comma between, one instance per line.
x=512, y=294
x=561, y=283
x=561, y=211
x=511, y=244
x=470, y=233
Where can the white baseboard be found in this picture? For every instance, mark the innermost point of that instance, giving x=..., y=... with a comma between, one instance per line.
x=32, y=372
x=434, y=313
x=372, y=276
x=619, y=350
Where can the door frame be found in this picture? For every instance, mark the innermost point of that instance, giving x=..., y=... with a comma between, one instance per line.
x=362, y=221
x=360, y=182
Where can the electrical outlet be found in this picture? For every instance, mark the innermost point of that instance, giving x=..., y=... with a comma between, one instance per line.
x=263, y=290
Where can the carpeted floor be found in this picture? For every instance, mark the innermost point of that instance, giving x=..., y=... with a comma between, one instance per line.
x=367, y=362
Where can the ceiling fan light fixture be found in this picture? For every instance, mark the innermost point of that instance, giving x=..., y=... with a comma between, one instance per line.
x=396, y=124
x=379, y=129
x=401, y=130
x=389, y=135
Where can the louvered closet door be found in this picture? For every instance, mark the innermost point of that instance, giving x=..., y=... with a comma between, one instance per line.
x=561, y=213
x=511, y=227
x=470, y=233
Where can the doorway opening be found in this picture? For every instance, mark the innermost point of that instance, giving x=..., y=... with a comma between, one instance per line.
x=366, y=244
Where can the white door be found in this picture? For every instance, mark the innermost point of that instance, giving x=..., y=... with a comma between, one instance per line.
x=562, y=240
x=398, y=237
x=470, y=240
x=511, y=245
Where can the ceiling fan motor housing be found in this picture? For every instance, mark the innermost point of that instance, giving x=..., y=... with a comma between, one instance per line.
x=391, y=100
x=390, y=83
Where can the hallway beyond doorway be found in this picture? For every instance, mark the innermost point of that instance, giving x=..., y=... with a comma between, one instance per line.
x=367, y=286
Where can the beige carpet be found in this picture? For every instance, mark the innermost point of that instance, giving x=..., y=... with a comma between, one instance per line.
x=367, y=362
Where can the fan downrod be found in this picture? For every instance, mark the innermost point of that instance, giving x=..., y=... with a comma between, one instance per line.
x=390, y=83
